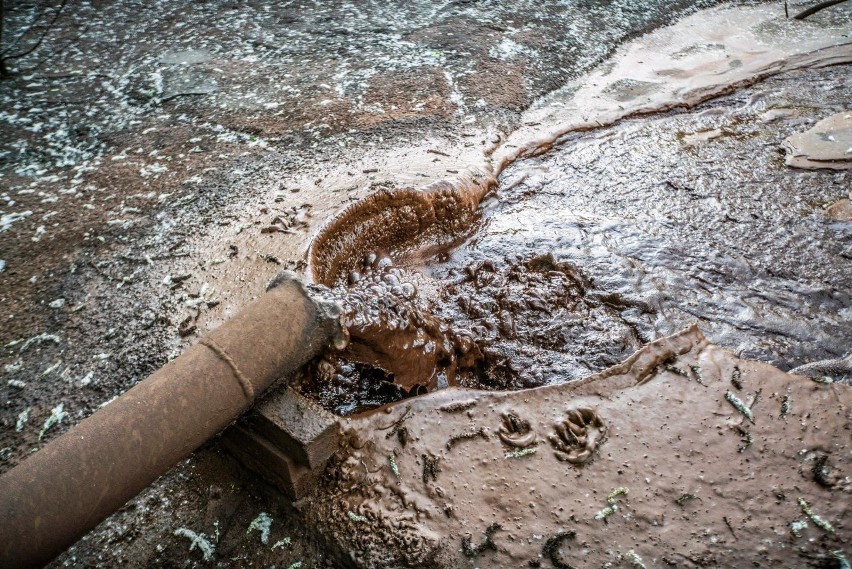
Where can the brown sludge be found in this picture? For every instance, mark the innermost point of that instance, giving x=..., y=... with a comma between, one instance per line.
x=401, y=222
x=393, y=334
x=666, y=469
x=58, y=494
x=682, y=456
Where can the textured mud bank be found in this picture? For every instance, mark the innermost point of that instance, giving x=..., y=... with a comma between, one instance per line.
x=682, y=456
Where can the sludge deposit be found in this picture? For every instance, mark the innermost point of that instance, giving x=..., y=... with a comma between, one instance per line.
x=523, y=384
x=682, y=456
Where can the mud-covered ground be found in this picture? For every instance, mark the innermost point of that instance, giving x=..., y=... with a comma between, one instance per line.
x=682, y=456
x=169, y=141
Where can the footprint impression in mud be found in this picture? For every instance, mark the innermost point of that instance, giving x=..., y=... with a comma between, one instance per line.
x=516, y=432
x=578, y=437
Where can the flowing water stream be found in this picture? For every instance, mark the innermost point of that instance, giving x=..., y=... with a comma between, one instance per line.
x=614, y=238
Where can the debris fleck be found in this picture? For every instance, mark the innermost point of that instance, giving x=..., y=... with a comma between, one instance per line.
x=356, y=518
x=736, y=378
x=818, y=521
x=747, y=439
x=634, y=558
x=198, y=540
x=522, y=452
x=747, y=442
x=684, y=498
x=739, y=405
x=295, y=565
x=696, y=370
x=186, y=327
x=37, y=340
x=23, y=417
x=552, y=545
x=402, y=435
x=281, y=543
x=52, y=368
x=466, y=436
x=606, y=512
x=457, y=407
x=56, y=415
x=821, y=472
x=842, y=562
x=797, y=527
x=676, y=370
x=486, y=544
x=431, y=467
x=613, y=504
x=786, y=405
x=620, y=491
x=261, y=523
x=174, y=281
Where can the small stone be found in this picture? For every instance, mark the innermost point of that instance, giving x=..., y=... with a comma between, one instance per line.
x=839, y=211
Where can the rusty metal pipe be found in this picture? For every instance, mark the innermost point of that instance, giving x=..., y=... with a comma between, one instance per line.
x=58, y=494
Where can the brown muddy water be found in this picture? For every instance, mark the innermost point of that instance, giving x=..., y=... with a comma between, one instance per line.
x=616, y=237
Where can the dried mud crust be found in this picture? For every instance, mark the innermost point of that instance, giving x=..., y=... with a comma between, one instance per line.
x=683, y=477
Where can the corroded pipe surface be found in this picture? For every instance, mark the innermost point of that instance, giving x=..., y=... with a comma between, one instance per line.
x=58, y=494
